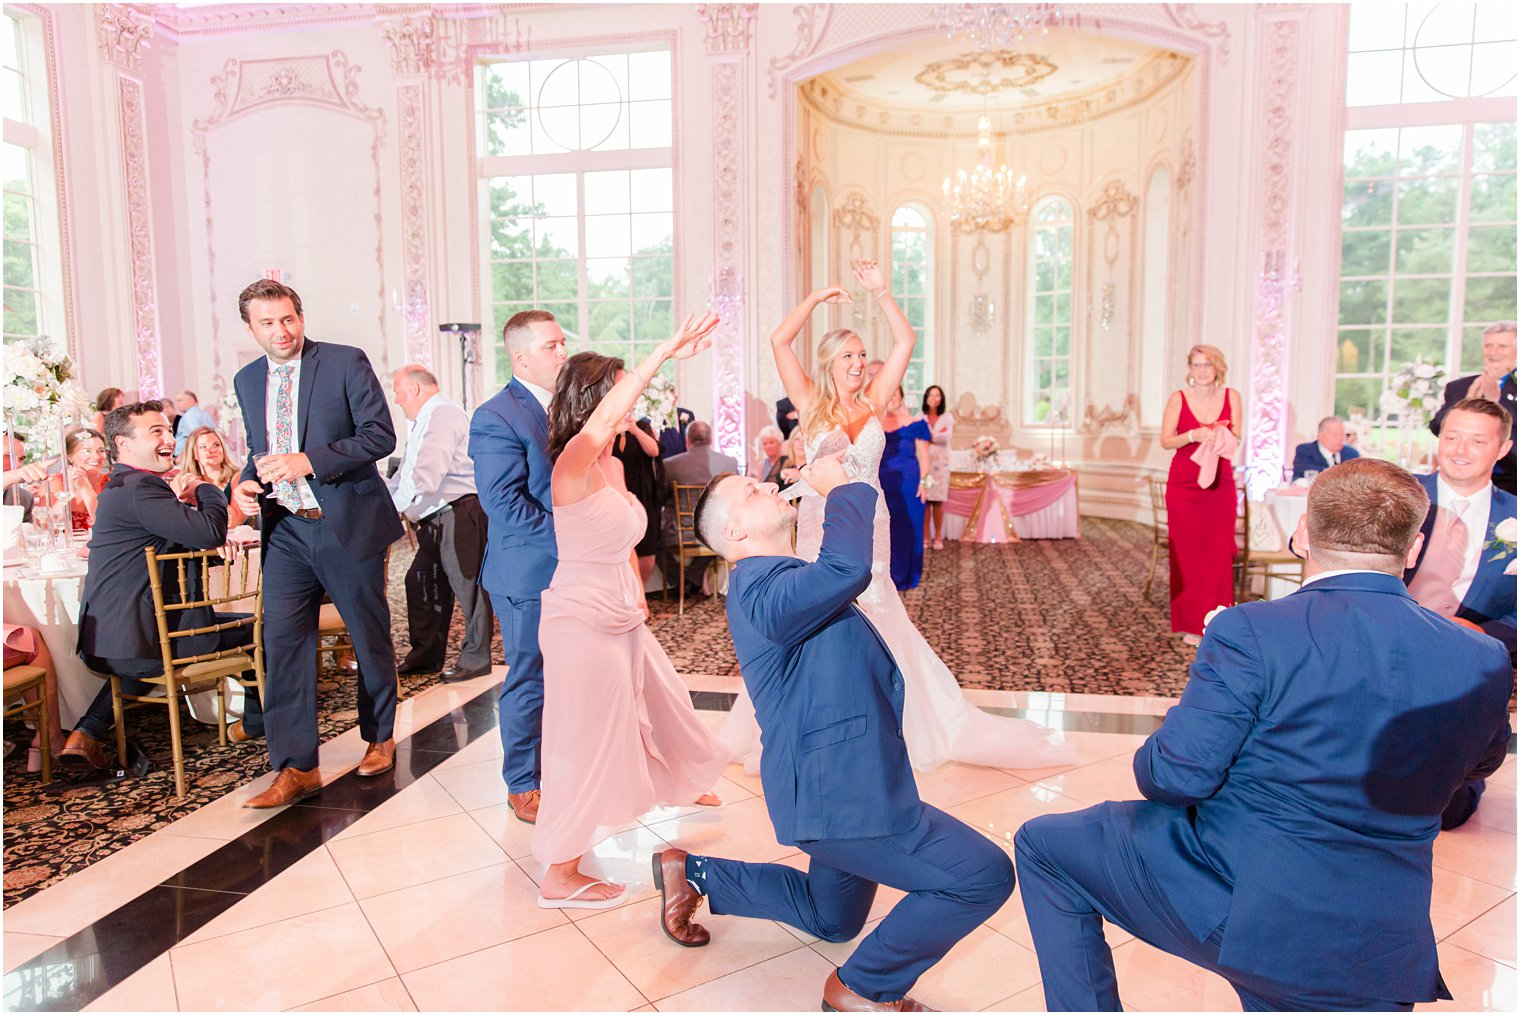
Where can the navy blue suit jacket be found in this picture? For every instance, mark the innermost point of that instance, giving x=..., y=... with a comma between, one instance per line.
x=344, y=428
x=1490, y=600
x=1307, y=456
x=137, y=509
x=509, y=444
x=827, y=694
x=1303, y=774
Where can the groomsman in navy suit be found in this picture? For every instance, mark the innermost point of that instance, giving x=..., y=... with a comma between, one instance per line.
x=838, y=784
x=509, y=444
x=317, y=422
x=1293, y=793
x=1464, y=570
x=1327, y=450
x=1497, y=384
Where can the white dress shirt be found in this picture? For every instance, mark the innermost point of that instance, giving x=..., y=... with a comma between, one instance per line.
x=543, y=395
x=271, y=391
x=1331, y=457
x=436, y=469
x=1337, y=574
x=1475, y=517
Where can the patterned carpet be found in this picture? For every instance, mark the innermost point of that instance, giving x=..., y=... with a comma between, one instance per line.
x=1041, y=615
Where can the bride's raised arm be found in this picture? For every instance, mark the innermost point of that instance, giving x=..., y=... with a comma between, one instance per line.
x=903, y=336
x=799, y=388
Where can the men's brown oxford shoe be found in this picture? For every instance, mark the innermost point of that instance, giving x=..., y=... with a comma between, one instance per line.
x=83, y=749
x=379, y=758
x=290, y=785
x=679, y=899
x=525, y=805
x=838, y=997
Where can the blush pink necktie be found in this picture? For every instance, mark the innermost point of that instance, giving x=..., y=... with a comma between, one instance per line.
x=1443, y=563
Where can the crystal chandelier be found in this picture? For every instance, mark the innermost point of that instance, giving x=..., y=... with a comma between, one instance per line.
x=998, y=26
x=986, y=199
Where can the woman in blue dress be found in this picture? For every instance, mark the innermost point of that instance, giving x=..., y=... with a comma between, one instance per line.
x=904, y=468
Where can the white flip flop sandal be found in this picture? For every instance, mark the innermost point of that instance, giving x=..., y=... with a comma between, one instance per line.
x=574, y=900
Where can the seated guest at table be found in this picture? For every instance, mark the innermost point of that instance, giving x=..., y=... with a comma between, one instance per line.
x=1293, y=793
x=205, y=457
x=695, y=467
x=19, y=479
x=1328, y=448
x=107, y=400
x=118, y=631
x=903, y=470
x=941, y=422
x=24, y=647
x=770, y=456
x=1497, y=384
x=85, y=452
x=796, y=455
x=786, y=417
x=673, y=438
x=192, y=418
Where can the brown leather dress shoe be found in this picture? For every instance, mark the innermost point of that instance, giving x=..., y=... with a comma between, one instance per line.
x=290, y=785
x=525, y=806
x=838, y=997
x=239, y=735
x=379, y=758
x=679, y=898
x=83, y=749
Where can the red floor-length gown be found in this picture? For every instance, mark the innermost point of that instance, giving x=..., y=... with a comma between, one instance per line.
x=1201, y=531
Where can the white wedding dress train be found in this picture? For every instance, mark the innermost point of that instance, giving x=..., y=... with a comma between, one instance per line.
x=939, y=724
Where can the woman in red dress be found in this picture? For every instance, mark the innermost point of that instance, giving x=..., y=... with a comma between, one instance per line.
x=1200, y=519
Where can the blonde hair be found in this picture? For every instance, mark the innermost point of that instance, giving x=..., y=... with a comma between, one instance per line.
x=826, y=413
x=1216, y=357
x=190, y=463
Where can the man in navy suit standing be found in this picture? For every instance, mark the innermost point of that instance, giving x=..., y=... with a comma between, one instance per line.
x=829, y=700
x=1464, y=570
x=317, y=422
x=1327, y=450
x=509, y=444
x=1293, y=793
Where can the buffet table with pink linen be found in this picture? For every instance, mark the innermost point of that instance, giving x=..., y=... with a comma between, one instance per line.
x=1005, y=507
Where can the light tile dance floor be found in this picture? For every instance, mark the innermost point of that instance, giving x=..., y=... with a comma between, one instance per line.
x=426, y=900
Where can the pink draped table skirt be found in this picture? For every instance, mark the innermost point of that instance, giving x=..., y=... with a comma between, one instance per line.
x=1005, y=507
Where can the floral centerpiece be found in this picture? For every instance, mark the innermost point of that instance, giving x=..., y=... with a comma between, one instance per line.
x=985, y=450
x=657, y=404
x=1415, y=391
x=42, y=395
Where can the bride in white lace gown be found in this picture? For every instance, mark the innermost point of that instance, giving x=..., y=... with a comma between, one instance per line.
x=835, y=407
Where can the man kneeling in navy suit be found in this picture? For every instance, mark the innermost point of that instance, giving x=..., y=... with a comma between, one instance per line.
x=1294, y=792
x=837, y=781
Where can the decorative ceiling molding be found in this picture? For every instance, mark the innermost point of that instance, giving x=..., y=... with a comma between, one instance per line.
x=812, y=21
x=123, y=31
x=1183, y=16
x=825, y=97
x=1020, y=71
x=223, y=19
x=728, y=28
x=324, y=80
x=441, y=44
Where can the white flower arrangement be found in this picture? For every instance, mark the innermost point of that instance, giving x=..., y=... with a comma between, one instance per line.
x=985, y=449
x=1415, y=392
x=657, y=404
x=41, y=395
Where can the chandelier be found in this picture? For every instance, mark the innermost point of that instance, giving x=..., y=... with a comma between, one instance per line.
x=998, y=26
x=986, y=199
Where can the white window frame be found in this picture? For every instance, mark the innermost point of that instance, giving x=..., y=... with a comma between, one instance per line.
x=1032, y=390
x=923, y=351
x=33, y=134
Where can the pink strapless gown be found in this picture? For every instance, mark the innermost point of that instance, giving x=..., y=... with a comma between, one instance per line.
x=620, y=734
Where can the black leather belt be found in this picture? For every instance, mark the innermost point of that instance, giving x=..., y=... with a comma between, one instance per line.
x=311, y=513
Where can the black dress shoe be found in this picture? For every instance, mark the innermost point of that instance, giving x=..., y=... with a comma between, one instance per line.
x=410, y=669
x=457, y=673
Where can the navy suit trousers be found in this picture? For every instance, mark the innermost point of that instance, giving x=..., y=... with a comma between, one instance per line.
x=1077, y=869
x=521, y=709
x=954, y=876
x=302, y=557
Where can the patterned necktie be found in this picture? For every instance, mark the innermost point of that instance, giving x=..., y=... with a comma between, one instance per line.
x=1444, y=562
x=283, y=443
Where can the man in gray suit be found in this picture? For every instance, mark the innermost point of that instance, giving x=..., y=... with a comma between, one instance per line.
x=698, y=464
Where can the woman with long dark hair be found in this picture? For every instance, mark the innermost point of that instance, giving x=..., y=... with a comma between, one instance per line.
x=936, y=413
x=619, y=733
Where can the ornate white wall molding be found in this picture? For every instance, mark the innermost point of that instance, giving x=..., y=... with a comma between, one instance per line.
x=856, y=214
x=123, y=31
x=443, y=42
x=411, y=132
x=1184, y=16
x=812, y=20
x=727, y=28
x=1266, y=437
x=150, y=379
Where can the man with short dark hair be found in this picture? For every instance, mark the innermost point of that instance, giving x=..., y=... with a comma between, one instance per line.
x=1495, y=383
x=317, y=423
x=118, y=628
x=1293, y=794
x=435, y=489
x=509, y=444
x=192, y=417
x=1328, y=449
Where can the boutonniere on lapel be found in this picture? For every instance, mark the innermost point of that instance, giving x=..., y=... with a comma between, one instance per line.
x=1503, y=543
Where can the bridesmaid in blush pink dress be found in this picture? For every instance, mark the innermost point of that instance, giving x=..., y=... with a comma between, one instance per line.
x=619, y=733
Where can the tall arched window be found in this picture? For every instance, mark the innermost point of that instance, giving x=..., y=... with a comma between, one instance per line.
x=1158, y=286
x=913, y=287
x=1048, y=345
